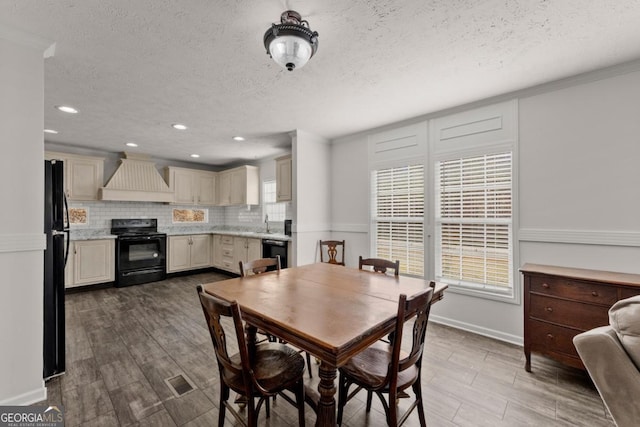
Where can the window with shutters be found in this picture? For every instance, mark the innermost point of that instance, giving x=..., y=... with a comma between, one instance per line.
x=398, y=217
x=473, y=221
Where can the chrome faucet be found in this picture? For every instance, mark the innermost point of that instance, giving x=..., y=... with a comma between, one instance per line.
x=266, y=221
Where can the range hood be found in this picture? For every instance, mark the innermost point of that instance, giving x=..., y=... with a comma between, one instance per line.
x=136, y=180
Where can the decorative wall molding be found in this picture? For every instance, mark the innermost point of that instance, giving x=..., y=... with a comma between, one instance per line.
x=350, y=228
x=580, y=237
x=311, y=228
x=486, y=332
x=398, y=144
x=22, y=242
x=479, y=128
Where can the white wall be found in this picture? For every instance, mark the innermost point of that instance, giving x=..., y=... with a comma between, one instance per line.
x=579, y=179
x=350, y=198
x=311, y=210
x=579, y=203
x=22, y=240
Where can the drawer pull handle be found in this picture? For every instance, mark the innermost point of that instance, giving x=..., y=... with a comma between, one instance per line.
x=545, y=285
x=594, y=293
x=549, y=309
x=550, y=336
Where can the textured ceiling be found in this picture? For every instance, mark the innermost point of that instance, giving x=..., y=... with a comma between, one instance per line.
x=133, y=68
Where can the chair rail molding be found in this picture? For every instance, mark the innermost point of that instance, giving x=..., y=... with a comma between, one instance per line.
x=582, y=237
x=350, y=228
x=22, y=242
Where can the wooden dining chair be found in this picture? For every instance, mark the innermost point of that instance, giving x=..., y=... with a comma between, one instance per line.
x=385, y=369
x=272, y=368
x=334, y=250
x=260, y=266
x=379, y=265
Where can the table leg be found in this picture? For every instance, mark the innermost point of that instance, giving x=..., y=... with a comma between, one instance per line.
x=326, y=410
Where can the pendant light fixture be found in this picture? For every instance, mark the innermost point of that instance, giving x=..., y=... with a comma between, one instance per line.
x=291, y=43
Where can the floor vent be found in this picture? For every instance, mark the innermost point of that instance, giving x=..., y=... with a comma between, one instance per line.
x=180, y=385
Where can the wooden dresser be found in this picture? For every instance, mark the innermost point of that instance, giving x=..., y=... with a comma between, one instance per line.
x=560, y=303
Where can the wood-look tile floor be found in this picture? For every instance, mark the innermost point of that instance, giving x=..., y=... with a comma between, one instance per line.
x=122, y=343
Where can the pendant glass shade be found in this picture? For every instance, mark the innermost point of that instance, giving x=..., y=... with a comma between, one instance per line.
x=290, y=51
x=291, y=43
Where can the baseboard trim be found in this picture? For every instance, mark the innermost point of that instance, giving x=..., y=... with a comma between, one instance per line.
x=23, y=242
x=581, y=237
x=485, y=332
x=28, y=398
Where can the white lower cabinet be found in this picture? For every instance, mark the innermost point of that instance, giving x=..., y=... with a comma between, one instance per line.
x=223, y=252
x=246, y=249
x=189, y=252
x=90, y=262
x=228, y=251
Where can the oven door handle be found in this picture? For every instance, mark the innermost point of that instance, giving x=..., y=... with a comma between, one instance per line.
x=137, y=238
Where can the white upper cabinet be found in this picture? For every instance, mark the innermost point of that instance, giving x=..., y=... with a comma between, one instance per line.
x=283, y=179
x=191, y=186
x=83, y=175
x=239, y=186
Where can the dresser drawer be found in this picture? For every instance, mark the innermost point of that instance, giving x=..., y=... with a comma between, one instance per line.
x=569, y=313
x=574, y=289
x=548, y=338
x=629, y=292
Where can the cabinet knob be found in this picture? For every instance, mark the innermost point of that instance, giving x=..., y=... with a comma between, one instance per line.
x=545, y=285
x=549, y=309
x=594, y=293
x=550, y=336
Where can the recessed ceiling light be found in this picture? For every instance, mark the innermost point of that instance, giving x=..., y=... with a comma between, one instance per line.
x=238, y=138
x=195, y=156
x=67, y=109
x=50, y=131
x=179, y=126
x=131, y=144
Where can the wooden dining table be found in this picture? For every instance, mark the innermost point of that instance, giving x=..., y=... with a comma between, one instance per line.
x=331, y=311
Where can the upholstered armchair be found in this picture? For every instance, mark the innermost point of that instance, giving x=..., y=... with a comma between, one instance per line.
x=611, y=355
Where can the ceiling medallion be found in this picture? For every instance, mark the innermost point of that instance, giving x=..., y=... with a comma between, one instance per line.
x=291, y=43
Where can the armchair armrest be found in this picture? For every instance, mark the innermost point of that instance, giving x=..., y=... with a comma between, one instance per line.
x=613, y=372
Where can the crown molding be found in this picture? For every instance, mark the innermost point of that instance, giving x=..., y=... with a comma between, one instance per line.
x=47, y=47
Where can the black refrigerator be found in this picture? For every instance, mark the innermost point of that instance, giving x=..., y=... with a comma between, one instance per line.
x=56, y=227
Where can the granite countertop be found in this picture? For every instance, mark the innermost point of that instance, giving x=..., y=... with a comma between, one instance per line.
x=91, y=234
x=236, y=233
x=255, y=234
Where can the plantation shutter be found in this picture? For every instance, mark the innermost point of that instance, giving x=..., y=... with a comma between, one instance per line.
x=398, y=216
x=474, y=221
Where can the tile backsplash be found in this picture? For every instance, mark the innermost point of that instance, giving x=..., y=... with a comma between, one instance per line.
x=100, y=214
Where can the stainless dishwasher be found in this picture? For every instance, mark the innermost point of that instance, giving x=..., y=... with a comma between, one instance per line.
x=271, y=248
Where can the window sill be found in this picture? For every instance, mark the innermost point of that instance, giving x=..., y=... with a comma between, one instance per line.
x=508, y=298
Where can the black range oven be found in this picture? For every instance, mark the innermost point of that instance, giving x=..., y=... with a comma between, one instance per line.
x=140, y=251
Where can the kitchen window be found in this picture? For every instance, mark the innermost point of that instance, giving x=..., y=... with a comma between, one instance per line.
x=474, y=222
x=398, y=216
x=276, y=211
